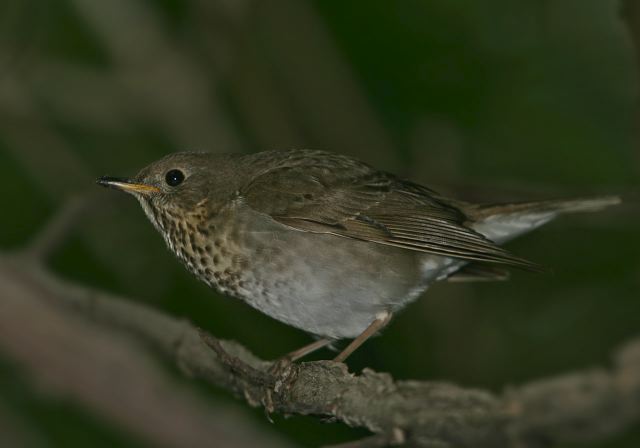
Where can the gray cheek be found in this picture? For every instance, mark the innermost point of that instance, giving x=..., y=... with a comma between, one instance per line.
x=148, y=210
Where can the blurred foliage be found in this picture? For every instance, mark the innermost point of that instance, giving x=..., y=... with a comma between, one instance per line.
x=492, y=100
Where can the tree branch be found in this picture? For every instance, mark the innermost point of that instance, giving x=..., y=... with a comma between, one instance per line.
x=107, y=373
x=580, y=406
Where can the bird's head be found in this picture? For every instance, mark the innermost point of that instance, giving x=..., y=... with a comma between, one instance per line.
x=174, y=185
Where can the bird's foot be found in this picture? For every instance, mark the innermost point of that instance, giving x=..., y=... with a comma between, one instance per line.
x=280, y=372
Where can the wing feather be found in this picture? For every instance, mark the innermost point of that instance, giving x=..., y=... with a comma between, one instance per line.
x=321, y=192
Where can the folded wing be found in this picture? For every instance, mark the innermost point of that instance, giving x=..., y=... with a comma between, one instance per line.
x=321, y=192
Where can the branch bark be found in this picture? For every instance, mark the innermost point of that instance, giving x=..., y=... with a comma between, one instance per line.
x=581, y=406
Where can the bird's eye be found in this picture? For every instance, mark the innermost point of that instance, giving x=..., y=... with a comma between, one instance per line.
x=174, y=178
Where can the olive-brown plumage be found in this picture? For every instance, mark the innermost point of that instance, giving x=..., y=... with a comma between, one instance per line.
x=324, y=242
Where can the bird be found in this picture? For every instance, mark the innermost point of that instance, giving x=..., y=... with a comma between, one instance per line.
x=324, y=242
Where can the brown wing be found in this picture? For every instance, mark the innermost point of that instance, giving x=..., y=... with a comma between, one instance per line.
x=326, y=193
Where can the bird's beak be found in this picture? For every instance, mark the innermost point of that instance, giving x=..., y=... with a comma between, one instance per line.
x=126, y=185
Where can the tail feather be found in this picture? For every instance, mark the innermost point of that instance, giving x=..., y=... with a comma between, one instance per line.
x=593, y=204
x=503, y=222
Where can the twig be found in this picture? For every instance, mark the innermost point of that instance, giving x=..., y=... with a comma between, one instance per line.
x=56, y=232
x=235, y=365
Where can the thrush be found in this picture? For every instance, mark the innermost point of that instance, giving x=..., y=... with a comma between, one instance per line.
x=324, y=242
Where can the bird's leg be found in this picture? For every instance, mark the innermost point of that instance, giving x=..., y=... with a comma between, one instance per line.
x=307, y=349
x=280, y=365
x=381, y=320
x=281, y=369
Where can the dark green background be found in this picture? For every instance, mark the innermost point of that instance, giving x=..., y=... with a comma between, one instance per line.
x=491, y=100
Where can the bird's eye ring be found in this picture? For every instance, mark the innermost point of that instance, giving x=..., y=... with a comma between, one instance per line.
x=174, y=178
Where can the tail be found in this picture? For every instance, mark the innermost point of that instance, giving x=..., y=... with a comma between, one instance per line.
x=503, y=222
